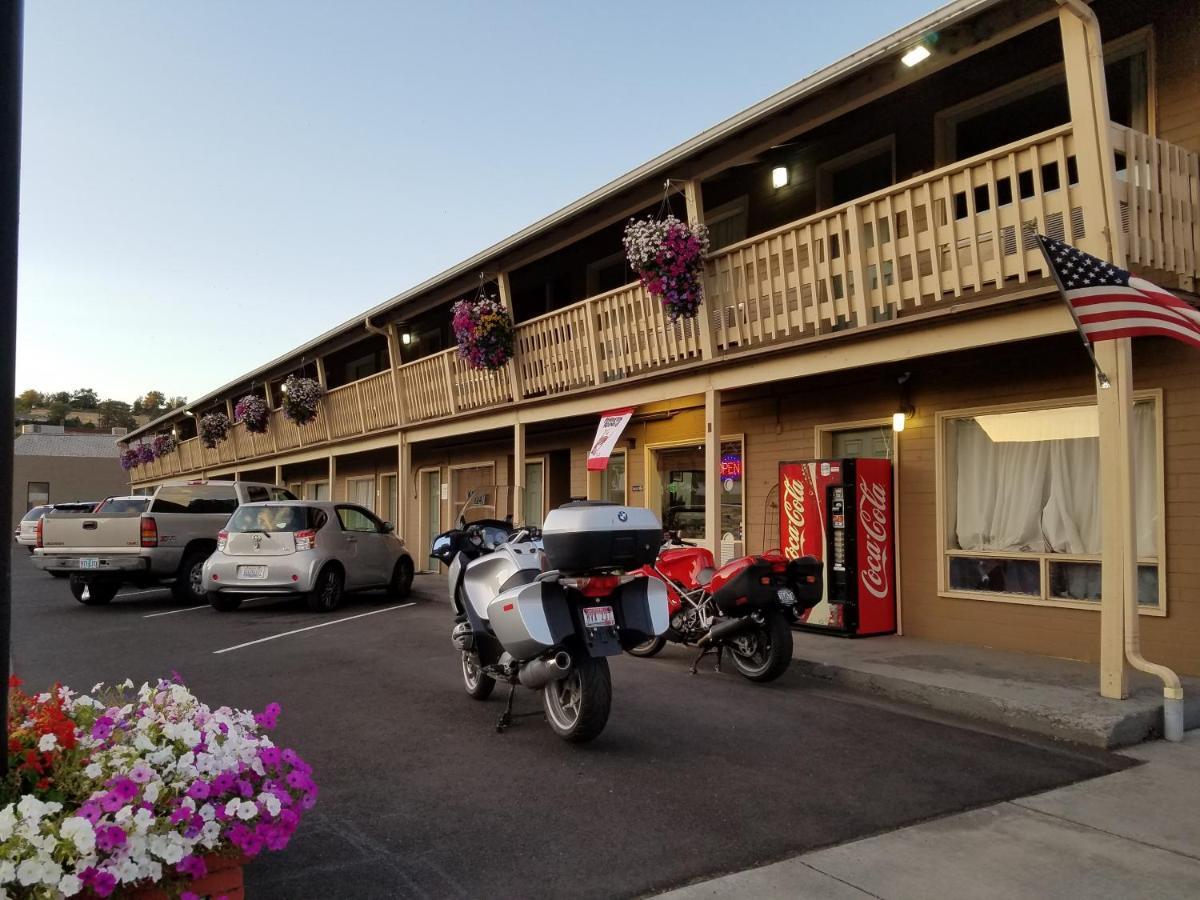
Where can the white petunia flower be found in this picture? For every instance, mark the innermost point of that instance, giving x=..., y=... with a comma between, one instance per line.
x=29, y=872
x=70, y=885
x=48, y=742
x=93, y=770
x=78, y=831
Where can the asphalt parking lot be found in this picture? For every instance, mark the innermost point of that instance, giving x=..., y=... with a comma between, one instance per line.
x=420, y=797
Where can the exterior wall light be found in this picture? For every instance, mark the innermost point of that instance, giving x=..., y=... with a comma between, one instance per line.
x=899, y=418
x=917, y=54
x=406, y=338
x=779, y=176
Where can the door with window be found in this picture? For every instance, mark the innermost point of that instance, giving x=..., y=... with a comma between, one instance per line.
x=612, y=479
x=533, y=503
x=316, y=490
x=872, y=442
x=476, y=484
x=430, y=490
x=389, y=499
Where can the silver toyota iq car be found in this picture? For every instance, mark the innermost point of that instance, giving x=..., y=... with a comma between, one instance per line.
x=318, y=550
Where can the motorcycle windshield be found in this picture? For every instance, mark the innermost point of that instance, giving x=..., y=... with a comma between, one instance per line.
x=477, y=502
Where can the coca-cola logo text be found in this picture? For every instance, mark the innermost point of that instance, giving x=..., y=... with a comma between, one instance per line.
x=872, y=517
x=793, y=510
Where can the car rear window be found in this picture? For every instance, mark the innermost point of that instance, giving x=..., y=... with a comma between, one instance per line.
x=36, y=513
x=195, y=498
x=124, y=505
x=276, y=518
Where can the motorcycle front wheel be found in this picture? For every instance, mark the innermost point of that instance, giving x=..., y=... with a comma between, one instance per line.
x=479, y=686
x=577, y=706
x=647, y=648
x=765, y=653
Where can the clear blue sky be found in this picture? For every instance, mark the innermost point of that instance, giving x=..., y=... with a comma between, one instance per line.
x=206, y=185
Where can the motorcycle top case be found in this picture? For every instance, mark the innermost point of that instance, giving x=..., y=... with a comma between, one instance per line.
x=590, y=536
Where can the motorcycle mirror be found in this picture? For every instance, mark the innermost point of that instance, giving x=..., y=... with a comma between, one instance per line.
x=441, y=548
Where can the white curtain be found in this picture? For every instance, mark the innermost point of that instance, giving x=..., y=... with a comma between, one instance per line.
x=1042, y=496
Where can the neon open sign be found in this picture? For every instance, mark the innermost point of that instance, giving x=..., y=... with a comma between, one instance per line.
x=731, y=466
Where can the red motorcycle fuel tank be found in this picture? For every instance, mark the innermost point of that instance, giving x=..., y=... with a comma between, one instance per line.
x=684, y=564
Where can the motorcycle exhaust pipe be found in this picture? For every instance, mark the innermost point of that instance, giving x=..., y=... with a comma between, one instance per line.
x=540, y=672
x=463, y=637
x=730, y=628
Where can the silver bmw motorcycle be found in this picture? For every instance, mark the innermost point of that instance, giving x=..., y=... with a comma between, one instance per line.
x=544, y=609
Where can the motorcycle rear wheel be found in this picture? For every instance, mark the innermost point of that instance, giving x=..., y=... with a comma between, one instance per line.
x=647, y=648
x=479, y=686
x=577, y=706
x=765, y=653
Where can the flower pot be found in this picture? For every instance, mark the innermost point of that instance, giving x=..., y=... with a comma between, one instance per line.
x=224, y=879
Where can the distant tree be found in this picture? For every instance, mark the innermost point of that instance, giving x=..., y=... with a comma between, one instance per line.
x=58, y=410
x=84, y=398
x=152, y=403
x=28, y=400
x=175, y=403
x=60, y=397
x=116, y=414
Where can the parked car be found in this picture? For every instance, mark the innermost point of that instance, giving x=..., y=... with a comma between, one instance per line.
x=26, y=534
x=167, y=543
x=134, y=503
x=315, y=549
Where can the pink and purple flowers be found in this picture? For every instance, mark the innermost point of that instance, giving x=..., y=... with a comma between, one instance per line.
x=301, y=399
x=484, y=331
x=252, y=409
x=139, y=788
x=130, y=459
x=164, y=443
x=668, y=256
x=214, y=428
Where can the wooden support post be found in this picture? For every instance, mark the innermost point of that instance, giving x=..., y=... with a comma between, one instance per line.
x=321, y=379
x=1088, y=99
x=403, y=477
x=693, y=196
x=268, y=394
x=279, y=476
x=514, y=364
x=448, y=371
x=518, y=499
x=393, y=339
x=712, y=471
x=333, y=478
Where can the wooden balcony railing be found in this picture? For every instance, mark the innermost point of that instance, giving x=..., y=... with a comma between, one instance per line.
x=960, y=231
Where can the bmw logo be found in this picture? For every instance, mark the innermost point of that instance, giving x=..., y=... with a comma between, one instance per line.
x=622, y=516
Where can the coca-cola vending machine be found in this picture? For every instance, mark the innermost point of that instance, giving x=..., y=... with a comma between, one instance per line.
x=840, y=511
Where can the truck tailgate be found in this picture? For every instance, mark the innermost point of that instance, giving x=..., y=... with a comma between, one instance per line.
x=87, y=533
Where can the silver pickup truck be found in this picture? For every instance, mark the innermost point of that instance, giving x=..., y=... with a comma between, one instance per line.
x=169, y=542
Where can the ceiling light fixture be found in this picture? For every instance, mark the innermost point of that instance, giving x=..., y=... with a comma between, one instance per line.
x=917, y=54
x=779, y=176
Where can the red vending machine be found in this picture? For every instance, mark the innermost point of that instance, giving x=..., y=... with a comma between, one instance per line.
x=840, y=511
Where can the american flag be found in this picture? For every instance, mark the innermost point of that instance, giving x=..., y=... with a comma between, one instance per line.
x=1109, y=303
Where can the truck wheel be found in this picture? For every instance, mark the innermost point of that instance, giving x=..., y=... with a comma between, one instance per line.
x=94, y=593
x=224, y=602
x=189, y=583
x=326, y=595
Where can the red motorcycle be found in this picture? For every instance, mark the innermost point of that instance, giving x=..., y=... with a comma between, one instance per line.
x=746, y=606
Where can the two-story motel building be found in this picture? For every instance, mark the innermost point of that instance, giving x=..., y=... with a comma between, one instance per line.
x=868, y=254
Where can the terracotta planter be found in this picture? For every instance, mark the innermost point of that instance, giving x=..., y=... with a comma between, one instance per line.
x=224, y=879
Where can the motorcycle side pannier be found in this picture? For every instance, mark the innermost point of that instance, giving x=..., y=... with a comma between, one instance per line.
x=591, y=536
x=805, y=577
x=750, y=589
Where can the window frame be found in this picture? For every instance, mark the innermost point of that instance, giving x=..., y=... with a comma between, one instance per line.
x=29, y=492
x=943, y=497
x=830, y=167
x=653, y=483
x=353, y=480
x=370, y=516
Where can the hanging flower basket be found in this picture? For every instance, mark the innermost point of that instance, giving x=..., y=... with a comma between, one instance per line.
x=129, y=459
x=668, y=256
x=142, y=793
x=164, y=443
x=146, y=453
x=484, y=331
x=214, y=428
x=252, y=410
x=301, y=399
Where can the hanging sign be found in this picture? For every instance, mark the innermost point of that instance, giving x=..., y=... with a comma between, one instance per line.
x=612, y=423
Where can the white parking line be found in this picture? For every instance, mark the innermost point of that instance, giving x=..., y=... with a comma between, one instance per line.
x=171, y=612
x=139, y=593
x=311, y=627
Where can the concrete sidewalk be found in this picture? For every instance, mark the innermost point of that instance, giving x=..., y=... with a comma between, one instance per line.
x=1057, y=698
x=1135, y=833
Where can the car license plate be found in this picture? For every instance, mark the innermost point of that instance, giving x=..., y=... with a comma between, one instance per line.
x=89, y=562
x=252, y=571
x=598, y=616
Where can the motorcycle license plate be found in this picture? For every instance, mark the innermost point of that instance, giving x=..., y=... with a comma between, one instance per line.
x=598, y=616
x=89, y=562
x=252, y=571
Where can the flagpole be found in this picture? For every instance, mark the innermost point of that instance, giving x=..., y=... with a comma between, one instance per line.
x=1062, y=292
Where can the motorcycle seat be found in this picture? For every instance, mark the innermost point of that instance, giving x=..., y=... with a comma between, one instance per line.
x=705, y=576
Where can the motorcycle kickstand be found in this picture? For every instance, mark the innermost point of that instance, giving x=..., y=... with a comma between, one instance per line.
x=695, y=662
x=720, y=649
x=507, y=717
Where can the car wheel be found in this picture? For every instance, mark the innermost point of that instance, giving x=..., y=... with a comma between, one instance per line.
x=96, y=592
x=224, y=602
x=326, y=596
x=189, y=581
x=402, y=578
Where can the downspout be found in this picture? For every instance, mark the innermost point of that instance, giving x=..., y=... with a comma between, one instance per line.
x=1173, y=718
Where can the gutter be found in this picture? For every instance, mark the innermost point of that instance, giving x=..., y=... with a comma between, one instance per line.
x=656, y=168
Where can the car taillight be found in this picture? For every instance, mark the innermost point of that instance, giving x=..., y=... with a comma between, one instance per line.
x=149, y=532
x=38, y=532
x=305, y=540
x=222, y=539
